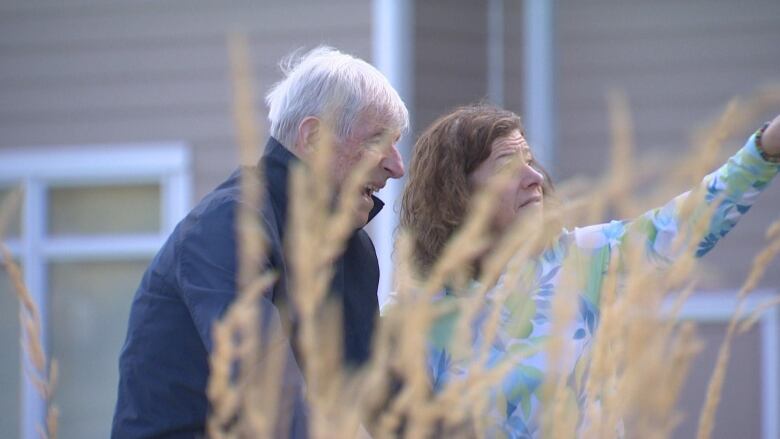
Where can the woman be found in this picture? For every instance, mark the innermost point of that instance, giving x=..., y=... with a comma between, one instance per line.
x=457, y=156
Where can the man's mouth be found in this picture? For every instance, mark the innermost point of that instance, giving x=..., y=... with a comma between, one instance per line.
x=370, y=189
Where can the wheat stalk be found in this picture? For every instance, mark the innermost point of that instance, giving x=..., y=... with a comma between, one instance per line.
x=617, y=377
x=44, y=373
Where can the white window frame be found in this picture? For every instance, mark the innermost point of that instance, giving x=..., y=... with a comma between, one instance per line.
x=38, y=168
x=719, y=307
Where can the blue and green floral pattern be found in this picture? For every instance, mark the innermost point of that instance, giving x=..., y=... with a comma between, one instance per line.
x=525, y=320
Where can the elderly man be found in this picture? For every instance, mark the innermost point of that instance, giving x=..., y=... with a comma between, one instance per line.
x=164, y=365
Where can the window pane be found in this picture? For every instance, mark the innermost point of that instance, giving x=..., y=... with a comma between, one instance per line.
x=10, y=401
x=90, y=304
x=14, y=226
x=104, y=210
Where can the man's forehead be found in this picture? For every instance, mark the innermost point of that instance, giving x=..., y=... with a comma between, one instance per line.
x=372, y=122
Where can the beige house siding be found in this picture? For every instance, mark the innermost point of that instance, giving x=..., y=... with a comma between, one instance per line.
x=88, y=71
x=514, y=63
x=739, y=413
x=82, y=72
x=450, y=57
x=679, y=64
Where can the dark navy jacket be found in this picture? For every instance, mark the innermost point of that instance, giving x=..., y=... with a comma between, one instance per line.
x=190, y=283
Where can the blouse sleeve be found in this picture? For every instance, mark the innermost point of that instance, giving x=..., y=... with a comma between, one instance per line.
x=735, y=186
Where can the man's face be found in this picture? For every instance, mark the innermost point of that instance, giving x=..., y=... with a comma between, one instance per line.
x=523, y=194
x=374, y=142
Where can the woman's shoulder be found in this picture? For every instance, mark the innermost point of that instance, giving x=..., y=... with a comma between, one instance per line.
x=595, y=236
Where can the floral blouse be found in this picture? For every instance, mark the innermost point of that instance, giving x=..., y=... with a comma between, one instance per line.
x=525, y=319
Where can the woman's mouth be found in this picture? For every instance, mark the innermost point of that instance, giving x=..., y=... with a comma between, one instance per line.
x=532, y=200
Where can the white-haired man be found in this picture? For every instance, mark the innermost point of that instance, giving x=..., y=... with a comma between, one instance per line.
x=164, y=362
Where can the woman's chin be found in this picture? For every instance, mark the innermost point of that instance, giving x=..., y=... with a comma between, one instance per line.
x=530, y=215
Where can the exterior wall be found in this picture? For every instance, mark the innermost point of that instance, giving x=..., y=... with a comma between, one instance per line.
x=83, y=71
x=450, y=57
x=513, y=56
x=451, y=60
x=739, y=413
x=679, y=63
x=88, y=71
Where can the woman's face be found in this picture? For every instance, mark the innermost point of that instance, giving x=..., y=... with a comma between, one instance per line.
x=523, y=195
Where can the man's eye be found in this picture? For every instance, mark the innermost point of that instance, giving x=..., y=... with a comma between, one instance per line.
x=373, y=144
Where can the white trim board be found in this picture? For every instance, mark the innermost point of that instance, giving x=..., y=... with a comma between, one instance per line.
x=68, y=163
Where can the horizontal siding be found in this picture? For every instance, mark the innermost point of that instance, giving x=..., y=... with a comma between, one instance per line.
x=450, y=57
x=513, y=56
x=82, y=72
x=660, y=17
x=679, y=63
x=179, y=19
x=739, y=413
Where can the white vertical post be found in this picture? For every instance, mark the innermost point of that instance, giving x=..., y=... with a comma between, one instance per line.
x=393, y=55
x=34, y=227
x=495, y=52
x=770, y=375
x=538, y=89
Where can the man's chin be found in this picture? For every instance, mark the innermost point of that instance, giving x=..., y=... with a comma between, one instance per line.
x=360, y=218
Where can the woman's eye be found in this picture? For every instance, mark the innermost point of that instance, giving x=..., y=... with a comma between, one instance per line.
x=504, y=161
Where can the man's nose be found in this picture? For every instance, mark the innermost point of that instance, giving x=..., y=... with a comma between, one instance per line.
x=393, y=163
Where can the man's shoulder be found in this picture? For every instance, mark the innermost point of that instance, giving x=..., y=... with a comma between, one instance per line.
x=225, y=196
x=220, y=206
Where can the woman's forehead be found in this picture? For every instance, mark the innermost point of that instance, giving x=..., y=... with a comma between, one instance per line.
x=513, y=141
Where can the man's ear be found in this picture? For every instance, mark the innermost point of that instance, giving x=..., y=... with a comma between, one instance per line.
x=308, y=135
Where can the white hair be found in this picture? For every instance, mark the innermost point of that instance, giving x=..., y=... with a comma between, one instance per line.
x=337, y=87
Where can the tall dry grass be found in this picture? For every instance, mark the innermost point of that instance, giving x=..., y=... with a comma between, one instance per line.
x=40, y=370
x=638, y=344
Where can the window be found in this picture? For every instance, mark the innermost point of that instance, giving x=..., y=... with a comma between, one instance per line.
x=90, y=221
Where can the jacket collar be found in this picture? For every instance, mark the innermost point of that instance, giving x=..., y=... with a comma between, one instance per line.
x=276, y=162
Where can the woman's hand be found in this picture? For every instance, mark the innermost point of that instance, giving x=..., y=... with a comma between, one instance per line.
x=770, y=140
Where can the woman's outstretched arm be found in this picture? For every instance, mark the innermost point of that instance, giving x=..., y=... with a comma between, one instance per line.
x=735, y=186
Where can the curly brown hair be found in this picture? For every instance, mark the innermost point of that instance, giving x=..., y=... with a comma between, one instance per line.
x=437, y=194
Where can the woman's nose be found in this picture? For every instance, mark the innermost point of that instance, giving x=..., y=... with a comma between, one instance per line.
x=531, y=177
